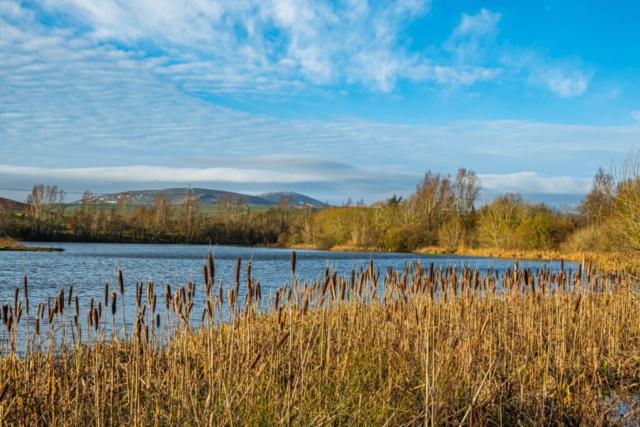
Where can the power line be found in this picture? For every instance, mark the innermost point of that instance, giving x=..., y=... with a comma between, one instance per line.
x=29, y=191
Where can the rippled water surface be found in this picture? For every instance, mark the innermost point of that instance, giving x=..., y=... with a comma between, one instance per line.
x=88, y=266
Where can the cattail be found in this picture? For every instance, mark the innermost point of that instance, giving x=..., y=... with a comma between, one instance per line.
x=113, y=304
x=577, y=305
x=211, y=269
x=96, y=319
x=100, y=310
x=120, y=282
x=249, y=275
x=37, y=326
x=25, y=287
x=158, y=320
x=484, y=325
x=3, y=391
x=281, y=341
x=106, y=295
x=167, y=297
x=77, y=305
x=69, y=296
x=293, y=263
x=153, y=305
x=15, y=299
x=206, y=275
x=254, y=361
x=75, y=320
x=61, y=301
x=238, y=270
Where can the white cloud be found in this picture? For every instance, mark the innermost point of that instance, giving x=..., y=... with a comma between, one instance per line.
x=473, y=35
x=233, y=44
x=535, y=183
x=564, y=84
x=636, y=115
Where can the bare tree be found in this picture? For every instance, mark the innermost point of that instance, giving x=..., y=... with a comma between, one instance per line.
x=191, y=218
x=434, y=200
x=467, y=187
x=598, y=203
x=46, y=207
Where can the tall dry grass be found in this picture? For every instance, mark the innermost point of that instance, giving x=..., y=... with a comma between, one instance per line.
x=415, y=346
x=8, y=242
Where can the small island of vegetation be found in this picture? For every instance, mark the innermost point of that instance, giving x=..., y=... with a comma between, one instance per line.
x=9, y=244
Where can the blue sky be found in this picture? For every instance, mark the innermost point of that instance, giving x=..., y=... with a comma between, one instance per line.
x=352, y=98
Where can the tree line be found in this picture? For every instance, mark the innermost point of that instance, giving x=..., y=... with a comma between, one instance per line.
x=443, y=211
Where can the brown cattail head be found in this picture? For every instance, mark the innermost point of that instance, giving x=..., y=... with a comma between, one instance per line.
x=211, y=269
x=153, y=304
x=77, y=305
x=249, y=275
x=158, y=320
x=3, y=391
x=15, y=299
x=254, y=361
x=120, y=282
x=25, y=287
x=293, y=263
x=96, y=319
x=113, y=304
x=69, y=296
x=106, y=295
x=282, y=340
x=61, y=301
x=238, y=271
x=167, y=297
x=205, y=274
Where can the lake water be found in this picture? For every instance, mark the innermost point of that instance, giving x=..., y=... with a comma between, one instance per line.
x=89, y=265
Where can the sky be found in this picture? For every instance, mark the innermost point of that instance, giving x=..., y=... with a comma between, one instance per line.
x=332, y=99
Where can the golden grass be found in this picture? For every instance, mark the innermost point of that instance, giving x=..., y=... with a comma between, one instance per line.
x=415, y=346
x=9, y=243
x=604, y=260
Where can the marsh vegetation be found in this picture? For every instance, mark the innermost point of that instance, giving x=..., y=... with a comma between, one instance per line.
x=417, y=345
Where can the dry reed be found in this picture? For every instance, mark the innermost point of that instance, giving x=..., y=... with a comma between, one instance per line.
x=419, y=345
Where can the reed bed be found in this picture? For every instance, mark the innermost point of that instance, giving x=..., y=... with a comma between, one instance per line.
x=616, y=261
x=418, y=345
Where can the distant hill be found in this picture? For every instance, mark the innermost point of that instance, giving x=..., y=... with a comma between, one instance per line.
x=297, y=199
x=12, y=205
x=208, y=197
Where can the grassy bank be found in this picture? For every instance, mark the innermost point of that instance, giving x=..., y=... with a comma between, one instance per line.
x=398, y=347
x=8, y=244
x=603, y=260
x=613, y=261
